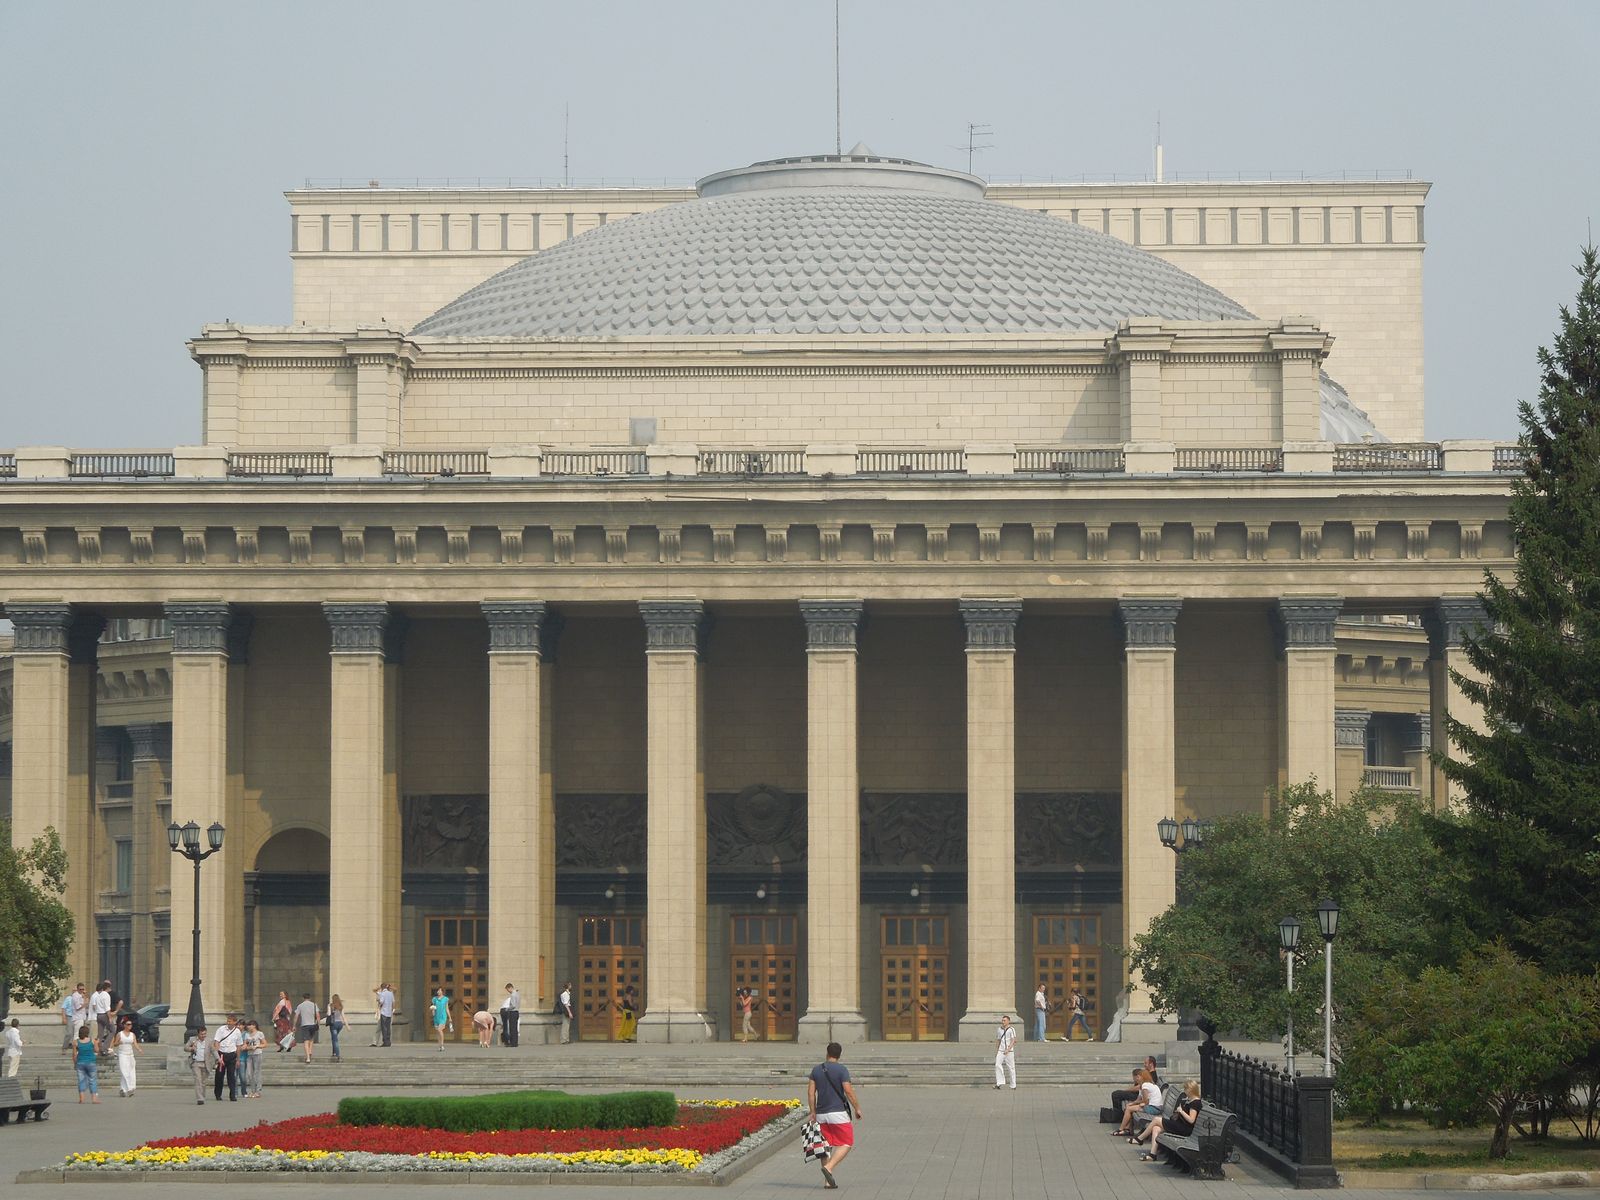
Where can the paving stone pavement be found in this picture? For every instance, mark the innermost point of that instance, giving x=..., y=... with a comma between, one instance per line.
x=927, y=1143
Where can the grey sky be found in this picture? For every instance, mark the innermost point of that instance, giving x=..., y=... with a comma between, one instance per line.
x=145, y=148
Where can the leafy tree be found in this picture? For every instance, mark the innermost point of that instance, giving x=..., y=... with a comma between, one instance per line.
x=36, y=928
x=1467, y=1042
x=1217, y=948
x=1529, y=826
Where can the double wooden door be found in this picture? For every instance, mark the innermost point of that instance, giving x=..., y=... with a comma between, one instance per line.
x=915, y=961
x=456, y=955
x=764, y=957
x=610, y=957
x=1066, y=955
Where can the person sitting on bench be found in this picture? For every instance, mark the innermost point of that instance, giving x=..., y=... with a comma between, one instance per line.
x=1181, y=1124
x=1148, y=1102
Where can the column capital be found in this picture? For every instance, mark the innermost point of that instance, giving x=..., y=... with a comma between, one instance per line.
x=151, y=741
x=363, y=627
x=1350, y=726
x=991, y=623
x=1452, y=619
x=209, y=627
x=40, y=628
x=1306, y=622
x=1419, y=737
x=515, y=626
x=832, y=624
x=1149, y=623
x=673, y=625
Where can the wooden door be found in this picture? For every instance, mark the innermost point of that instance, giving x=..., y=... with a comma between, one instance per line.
x=610, y=957
x=1066, y=954
x=457, y=958
x=915, y=953
x=764, y=957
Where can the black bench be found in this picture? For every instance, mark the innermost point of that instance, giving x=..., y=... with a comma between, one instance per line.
x=1204, y=1151
x=13, y=1101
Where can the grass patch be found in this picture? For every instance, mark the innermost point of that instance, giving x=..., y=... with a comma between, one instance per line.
x=1400, y=1143
x=513, y=1110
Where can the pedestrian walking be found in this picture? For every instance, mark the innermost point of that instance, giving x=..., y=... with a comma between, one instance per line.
x=385, y=995
x=197, y=1053
x=283, y=1021
x=100, y=1009
x=628, y=1031
x=564, y=1009
x=510, y=1016
x=335, y=1020
x=74, y=1011
x=127, y=1046
x=306, y=1017
x=441, y=1015
x=252, y=1046
x=13, y=1048
x=1076, y=1006
x=1041, y=1011
x=744, y=1001
x=1005, y=1055
x=227, y=1043
x=88, y=1068
x=830, y=1098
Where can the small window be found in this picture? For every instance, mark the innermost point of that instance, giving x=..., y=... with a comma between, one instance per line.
x=124, y=865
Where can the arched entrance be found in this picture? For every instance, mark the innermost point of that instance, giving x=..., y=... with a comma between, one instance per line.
x=286, y=920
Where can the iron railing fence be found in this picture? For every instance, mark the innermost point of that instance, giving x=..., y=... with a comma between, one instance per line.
x=753, y=462
x=442, y=463
x=890, y=460
x=279, y=464
x=1229, y=458
x=1076, y=460
x=1389, y=456
x=122, y=464
x=594, y=462
x=1264, y=1098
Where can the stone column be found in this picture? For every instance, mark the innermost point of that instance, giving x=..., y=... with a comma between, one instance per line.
x=1419, y=740
x=1350, y=750
x=991, y=815
x=1452, y=618
x=152, y=758
x=833, y=826
x=363, y=805
x=207, y=636
x=1305, y=626
x=522, y=857
x=53, y=751
x=1149, y=775
x=675, y=923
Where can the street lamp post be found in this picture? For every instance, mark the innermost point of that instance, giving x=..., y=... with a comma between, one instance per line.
x=185, y=840
x=1328, y=922
x=1194, y=836
x=1289, y=939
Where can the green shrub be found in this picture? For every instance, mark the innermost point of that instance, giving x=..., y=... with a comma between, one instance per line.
x=513, y=1110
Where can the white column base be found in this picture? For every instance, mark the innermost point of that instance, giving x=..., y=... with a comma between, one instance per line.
x=819, y=1027
x=980, y=1026
x=677, y=1026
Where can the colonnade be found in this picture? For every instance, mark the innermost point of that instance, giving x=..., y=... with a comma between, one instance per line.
x=54, y=750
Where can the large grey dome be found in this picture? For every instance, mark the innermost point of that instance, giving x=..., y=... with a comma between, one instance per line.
x=831, y=245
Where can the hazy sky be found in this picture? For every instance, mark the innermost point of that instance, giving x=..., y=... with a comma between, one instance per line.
x=145, y=147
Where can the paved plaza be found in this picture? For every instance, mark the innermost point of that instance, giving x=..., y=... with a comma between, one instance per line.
x=924, y=1142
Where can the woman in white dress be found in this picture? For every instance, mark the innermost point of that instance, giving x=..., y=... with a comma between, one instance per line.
x=127, y=1047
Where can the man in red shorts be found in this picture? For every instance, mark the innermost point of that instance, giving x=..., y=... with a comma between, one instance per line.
x=831, y=1098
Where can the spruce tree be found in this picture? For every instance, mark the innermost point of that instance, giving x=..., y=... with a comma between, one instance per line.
x=1528, y=831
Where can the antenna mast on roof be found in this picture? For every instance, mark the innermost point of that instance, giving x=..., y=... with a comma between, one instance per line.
x=838, y=111
x=1160, y=169
x=566, y=161
x=974, y=143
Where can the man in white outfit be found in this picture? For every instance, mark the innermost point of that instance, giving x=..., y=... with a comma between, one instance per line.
x=1005, y=1055
x=13, y=1048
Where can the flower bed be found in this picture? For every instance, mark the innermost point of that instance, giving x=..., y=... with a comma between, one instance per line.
x=320, y=1143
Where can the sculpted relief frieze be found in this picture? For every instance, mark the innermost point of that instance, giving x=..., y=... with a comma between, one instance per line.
x=761, y=826
x=600, y=832
x=913, y=829
x=445, y=833
x=1068, y=829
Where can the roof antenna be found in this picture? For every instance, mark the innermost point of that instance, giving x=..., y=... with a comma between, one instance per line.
x=838, y=111
x=1160, y=171
x=975, y=134
x=566, y=160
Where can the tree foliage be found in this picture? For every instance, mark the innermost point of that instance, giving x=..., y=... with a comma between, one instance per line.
x=1217, y=949
x=1468, y=1042
x=36, y=928
x=1530, y=821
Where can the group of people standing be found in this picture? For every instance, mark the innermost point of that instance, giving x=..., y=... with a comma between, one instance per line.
x=94, y=1025
x=231, y=1055
x=298, y=1024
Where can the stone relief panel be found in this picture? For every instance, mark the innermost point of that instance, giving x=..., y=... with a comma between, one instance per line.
x=446, y=833
x=913, y=829
x=600, y=831
x=1063, y=829
x=762, y=826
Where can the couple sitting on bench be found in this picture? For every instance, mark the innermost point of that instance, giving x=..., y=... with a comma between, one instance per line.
x=1180, y=1123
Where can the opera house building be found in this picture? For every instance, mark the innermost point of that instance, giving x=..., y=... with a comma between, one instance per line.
x=820, y=581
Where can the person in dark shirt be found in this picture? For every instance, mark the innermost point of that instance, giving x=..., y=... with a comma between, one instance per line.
x=831, y=1098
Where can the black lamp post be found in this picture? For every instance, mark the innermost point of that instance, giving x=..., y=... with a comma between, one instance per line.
x=1328, y=922
x=185, y=840
x=1289, y=940
x=1194, y=835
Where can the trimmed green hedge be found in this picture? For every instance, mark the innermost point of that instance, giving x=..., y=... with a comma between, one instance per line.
x=513, y=1110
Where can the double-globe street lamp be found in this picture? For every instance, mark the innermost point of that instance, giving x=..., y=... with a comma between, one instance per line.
x=185, y=840
x=1194, y=836
x=1288, y=941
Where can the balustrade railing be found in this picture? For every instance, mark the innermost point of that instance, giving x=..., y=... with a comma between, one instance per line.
x=8, y=466
x=1229, y=458
x=130, y=464
x=443, y=463
x=1510, y=458
x=1389, y=456
x=1079, y=460
x=1288, y=1118
x=894, y=461
x=594, y=462
x=285, y=464
x=753, y=462
x=1394, y=779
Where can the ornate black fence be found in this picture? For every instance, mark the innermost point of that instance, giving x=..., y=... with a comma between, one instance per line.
x=1285, y=1120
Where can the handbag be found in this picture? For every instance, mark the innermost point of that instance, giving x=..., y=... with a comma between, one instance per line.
x=812, y=1144
x=287, y=1041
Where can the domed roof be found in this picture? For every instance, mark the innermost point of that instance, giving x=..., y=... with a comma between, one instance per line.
x=832, y=244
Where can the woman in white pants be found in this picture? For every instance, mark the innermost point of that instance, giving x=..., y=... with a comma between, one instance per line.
x=127, y=1046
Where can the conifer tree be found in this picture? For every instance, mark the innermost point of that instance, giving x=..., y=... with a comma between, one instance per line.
x=1528, y=832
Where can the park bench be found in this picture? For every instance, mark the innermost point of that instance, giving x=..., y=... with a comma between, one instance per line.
x=1205, y=1150
x=13, y=1101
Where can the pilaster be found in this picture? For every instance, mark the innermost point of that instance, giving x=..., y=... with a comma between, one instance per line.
x=991, y=814
x=1449, y=623
x=676, y=1008
x=1305, y=628
x=152, y=858
x=1349, y=750
x=833, y=824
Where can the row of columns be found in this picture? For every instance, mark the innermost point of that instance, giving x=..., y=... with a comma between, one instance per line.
x=54, y=695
